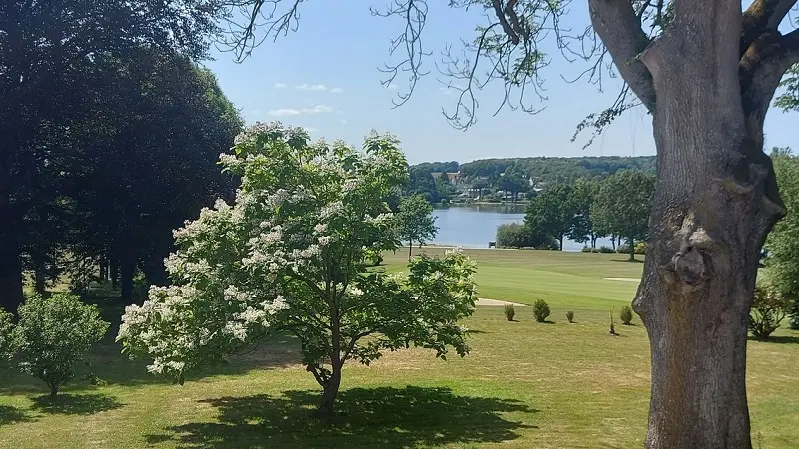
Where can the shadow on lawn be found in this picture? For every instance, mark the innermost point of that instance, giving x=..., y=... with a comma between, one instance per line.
x=75, y=404
x=9, y=414
x=385, y=418
x=777, y=339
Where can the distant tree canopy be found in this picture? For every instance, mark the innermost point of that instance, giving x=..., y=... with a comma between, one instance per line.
x=623, y=204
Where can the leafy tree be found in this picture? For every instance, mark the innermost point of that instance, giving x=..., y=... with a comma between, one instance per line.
x=422, y=182
x=552, y=212
x=706, y=72
x=517, y=235
x=53, y=334
x=7, y=343
x=769, y=308
x=42, y=43
x=583, y=229
x=783, y=242
x=290, y=256
x=415, y=222
x=623, y=204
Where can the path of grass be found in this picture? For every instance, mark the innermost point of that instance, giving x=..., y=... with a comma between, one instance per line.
x=524, y=385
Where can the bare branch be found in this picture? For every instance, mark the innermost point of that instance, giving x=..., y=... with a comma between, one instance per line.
x=617, y=24
x=763, y=16
x=259, y=16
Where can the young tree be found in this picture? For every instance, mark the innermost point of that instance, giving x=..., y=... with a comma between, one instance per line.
x=415, y=222
x=706, y=72
x=552, y=212
x=623, y=203
x=583, y=229
x=290, y=256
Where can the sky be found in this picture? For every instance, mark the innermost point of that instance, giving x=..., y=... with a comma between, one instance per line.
x=325, y=77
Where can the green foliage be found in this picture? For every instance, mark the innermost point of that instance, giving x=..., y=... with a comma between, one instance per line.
x=558, y=169
x=782, y=243
x=552, y=212
x=640, y=248
x=516, y=235
x=626, y=314
x=291, y=255
x=7, y=341
x=510, y=312
x=540, y=310
x=769, y=308
x=623, y=204
x=415, y=221
x=606, y=250
x=570, y=316
x=53, y=334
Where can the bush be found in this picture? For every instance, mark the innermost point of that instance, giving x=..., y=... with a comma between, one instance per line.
x=640, y=248
x=606, y=250
x=540, y=310
x=768, y=310
x=509, y=312
x=53, y=334
x=6, y=338
x=585, y=249
x=570, y=316
x=623, y=249
x=595, y=250
x=626, y=315
x=516, y=235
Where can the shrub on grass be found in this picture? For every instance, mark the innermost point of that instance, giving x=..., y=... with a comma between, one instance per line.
x=509, y=312
x=540, y=310
x=626, y=315
x=585, y=249
x=640, y=248
x=769, y=308
x=606, y=250
x=6, y=338
x=570, y=316
x=53, y=334
x=623, y=249
x=595, y=250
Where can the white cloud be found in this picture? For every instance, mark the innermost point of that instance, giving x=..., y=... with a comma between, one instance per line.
x=317, y=87
x=280, y=86
x=282, y=112
x=344, y=122
x=336, y=90
x=392, y=87
x=318, y=109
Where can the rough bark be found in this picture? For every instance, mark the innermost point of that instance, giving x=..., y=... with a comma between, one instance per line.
x=329, y=393
x=715, y=201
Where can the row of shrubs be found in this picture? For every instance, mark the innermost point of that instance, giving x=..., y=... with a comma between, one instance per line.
x=640, y=248
x=541, y=312
x=50, y=337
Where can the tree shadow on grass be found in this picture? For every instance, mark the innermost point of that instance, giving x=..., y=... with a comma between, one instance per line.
x=385, y=418
x=75, y=404
x=9, y=414
x=777, y=339
x=627, y=260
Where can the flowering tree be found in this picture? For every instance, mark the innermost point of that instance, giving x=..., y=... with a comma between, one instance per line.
x=290, y=257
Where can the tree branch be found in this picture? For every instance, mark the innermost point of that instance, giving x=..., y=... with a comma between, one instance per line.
x=617, y=24
x=762, y=16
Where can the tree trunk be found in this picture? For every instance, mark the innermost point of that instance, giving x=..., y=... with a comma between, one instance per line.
x=103, y=269
x=39, y=275
x=410, y=250
x=127, y=270
x=330, y=391
x=632, y=249
x=613, y=242
x=11, y=295
x=715, y=201
x=113, y=271
x=560, y=242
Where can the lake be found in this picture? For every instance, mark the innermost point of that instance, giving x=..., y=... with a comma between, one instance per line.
x=473, y=226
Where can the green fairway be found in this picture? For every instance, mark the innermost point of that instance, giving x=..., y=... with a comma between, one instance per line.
x=524, y=384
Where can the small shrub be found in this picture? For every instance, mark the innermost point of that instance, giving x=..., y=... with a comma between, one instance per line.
x=606, y=250
x=510, y=312
x=570, y=316
x=585, y=249
x=768, y=310
x=640, y=248
x=612, y=324
x=623, y=249
x=6, y=338
x=595, y=250
x=540, y=310
x=53, y=334
x=626, y=315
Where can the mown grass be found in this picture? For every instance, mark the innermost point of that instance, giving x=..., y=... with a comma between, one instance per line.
x=524, y=384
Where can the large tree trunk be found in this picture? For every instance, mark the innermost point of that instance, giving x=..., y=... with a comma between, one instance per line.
x=715, y=202
x=11, y=295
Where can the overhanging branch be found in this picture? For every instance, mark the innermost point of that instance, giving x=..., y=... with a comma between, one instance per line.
x=762, y=16
x=617, y=24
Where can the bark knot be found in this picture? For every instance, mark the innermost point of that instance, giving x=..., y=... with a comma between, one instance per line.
x=689, y=265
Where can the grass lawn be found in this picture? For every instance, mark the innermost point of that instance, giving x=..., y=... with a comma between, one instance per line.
x=524, y=385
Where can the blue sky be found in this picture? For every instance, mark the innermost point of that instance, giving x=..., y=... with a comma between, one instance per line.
x=325, y=77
